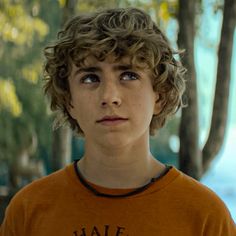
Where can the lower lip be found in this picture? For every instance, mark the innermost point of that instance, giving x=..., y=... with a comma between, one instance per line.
x=112, y=122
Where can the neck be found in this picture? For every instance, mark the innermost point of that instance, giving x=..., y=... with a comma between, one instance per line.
x=128, y=166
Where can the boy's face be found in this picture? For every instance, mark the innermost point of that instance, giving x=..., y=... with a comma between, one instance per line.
x=112, y=102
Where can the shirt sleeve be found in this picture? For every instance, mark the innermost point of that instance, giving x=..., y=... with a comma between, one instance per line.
x=219, y=222
x=13, y=223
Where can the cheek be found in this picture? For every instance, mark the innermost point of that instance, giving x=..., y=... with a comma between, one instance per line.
x=144, y=102
x=143, y=107
x=83, y=110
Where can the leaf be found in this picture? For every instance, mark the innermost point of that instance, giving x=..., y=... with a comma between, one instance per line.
x=18, y=26
x=31, y=72
x=164, y=12
x=8, y=98
x=62, y=3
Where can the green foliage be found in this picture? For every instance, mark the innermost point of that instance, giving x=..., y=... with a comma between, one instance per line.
x=18, y=26
x=91, y=5
x=162, y=11
x=18, y=131
x=23, y=111
x=8, y=98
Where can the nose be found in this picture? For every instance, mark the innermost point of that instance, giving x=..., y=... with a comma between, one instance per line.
x=110, y=95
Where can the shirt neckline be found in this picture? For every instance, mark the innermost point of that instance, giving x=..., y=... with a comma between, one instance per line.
x=103, y=192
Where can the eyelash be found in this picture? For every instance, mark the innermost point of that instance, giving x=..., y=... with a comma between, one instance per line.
x=83, y=79
x=132, y=75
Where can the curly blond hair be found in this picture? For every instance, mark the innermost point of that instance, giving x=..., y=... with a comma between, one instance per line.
x=118, y=32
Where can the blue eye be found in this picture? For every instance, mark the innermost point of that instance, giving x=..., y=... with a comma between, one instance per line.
x=89, y=79
x=129, y=76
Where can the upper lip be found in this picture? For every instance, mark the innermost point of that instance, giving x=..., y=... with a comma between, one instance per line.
x=111, y=118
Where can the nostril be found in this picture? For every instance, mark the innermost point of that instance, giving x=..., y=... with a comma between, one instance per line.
x=115, y=102
x=112, y=103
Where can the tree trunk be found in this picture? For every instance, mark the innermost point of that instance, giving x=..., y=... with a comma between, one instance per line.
x=61, y=148
x=68, y=10
x=189, y=154
x=61, y=144
x=221, y=99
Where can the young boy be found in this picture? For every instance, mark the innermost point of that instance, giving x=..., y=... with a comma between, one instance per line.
x=113, y=76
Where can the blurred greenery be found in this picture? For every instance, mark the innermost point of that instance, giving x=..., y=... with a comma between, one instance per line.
x=26, y=26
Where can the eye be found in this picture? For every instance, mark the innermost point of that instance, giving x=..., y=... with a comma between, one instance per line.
x=89, y=79
x=129, y=76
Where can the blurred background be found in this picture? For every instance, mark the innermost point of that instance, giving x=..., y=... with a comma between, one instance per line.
x=200, y=140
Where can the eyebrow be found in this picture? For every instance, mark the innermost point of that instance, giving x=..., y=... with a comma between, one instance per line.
x=93, y=69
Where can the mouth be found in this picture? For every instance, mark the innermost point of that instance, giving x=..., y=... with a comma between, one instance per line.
x=112, y=120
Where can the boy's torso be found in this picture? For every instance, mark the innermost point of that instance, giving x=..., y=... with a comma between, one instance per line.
x=68, y=208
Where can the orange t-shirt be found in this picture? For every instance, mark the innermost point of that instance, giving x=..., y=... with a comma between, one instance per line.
x=60, y=205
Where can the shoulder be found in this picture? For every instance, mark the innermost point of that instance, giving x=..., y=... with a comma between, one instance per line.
x=54, y=180
x=43, y=190
x=200, y=199
x=198, y=206
x=191, y=190
x=40, y=195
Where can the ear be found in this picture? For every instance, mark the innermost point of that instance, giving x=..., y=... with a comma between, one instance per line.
x=159, y=104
